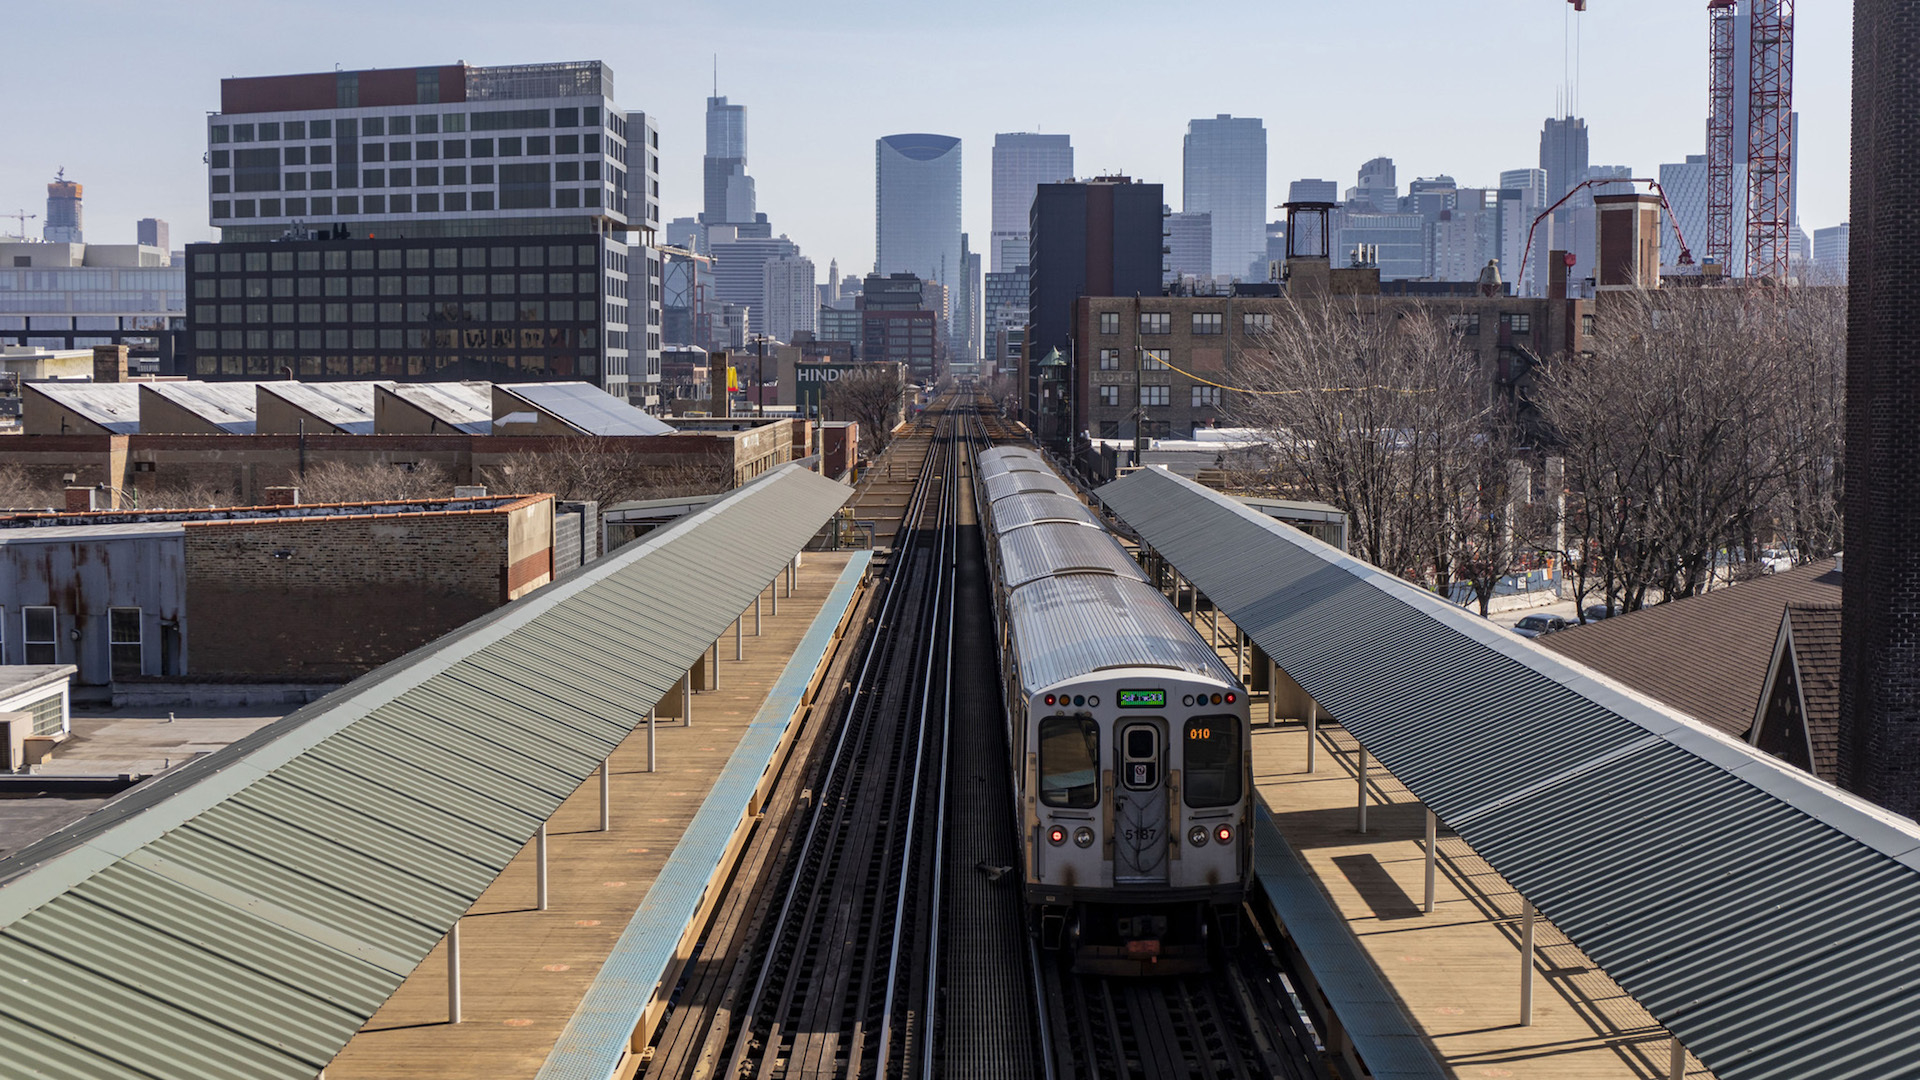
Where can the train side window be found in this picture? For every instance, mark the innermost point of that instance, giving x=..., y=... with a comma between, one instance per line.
x=1070, y=762
x=1211, y=761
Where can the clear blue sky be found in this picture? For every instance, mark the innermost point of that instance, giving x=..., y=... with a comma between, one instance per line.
x=1454, y=88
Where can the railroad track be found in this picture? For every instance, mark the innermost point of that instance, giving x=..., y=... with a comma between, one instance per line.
x=840, y=989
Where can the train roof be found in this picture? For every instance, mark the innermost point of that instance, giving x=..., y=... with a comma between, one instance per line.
x=1014, y=483
x=1073, y=625
x=1015, y=511
x=1052, y=548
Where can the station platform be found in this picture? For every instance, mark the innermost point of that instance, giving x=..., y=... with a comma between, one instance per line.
x=525, y=972
x=1453, y=974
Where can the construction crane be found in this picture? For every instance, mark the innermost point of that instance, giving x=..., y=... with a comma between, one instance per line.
x=22, y=217
x=1770, y=138
x=1721, y=15
x=1686, y=253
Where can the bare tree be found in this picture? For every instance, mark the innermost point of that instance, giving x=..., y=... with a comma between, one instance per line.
x=1381, y=411
x=604, y=470
x=18, y=491
x=1681, y=431
x=342, y=482
x=875, y=399
x=189, y=495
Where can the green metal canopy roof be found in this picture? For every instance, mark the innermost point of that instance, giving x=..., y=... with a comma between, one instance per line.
x=245, y=915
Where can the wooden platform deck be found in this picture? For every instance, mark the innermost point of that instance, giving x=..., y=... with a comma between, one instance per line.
x=1456, y=971
x=525, y=970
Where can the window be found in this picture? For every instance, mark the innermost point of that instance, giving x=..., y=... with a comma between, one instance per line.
x=1153, y=359
x=1109, y=359
x=218, y=133
x=1156, y=322
x=482, y=174
x=1522, y=324
x=1109, y=395
x=40, y=629
x=1156, y=395
x=373, y=125
x=1109, y=322
x=1069, y=762
x=1211, y=770
x=1206, y=397
x=1468, y=324
x=510, y=146
x=400, y=151
x=320, y=129
x=296, y=129
x=1208, y=322
x=269, y=132
x=222, y=159
x=1258, y=323
x=123, y=629
x=1586, y=325
x=453, y=122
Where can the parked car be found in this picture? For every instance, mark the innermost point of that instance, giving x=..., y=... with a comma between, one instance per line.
x=1595, y=612
x=1535, y=625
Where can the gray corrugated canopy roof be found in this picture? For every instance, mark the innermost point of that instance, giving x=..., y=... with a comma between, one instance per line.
x=1764, y=917
x=243, y=916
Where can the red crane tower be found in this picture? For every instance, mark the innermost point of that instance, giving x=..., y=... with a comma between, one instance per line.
x=1721, y=14
x=1770, y=138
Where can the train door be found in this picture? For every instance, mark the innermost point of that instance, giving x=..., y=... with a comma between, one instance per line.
x=1140, y=804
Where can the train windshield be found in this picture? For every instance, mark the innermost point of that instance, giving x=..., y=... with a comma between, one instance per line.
x=1070, y=762
x=1211, y=761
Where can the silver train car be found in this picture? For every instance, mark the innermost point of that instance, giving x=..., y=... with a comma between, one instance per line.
x=1130, y=738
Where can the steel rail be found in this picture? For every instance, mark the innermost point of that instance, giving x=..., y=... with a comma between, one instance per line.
x=863, y=684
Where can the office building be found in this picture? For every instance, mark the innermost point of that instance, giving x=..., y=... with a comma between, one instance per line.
x=152, y=232
x=1099, y=237
x=1563, y=155
x=917, y=208
x=791, y=297
x=1396, y=243
x=75, y=296
x=63, y=221
x=739, y=269
x=964, y=346
x=728, y=196
x=1532, y=183
x=1022, y=161
x=898, y=322
x=1224, y=173
x=1830, y=254
x=686, y=297
x=1378, y=190
x=429, y=223
x=1189, y=247
x=1313, y=191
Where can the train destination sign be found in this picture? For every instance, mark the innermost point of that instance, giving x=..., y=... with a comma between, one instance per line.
x=1143, y=699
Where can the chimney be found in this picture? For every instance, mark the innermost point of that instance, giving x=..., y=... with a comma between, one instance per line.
x=1558, y=263
x=280, y=496
x=717, y=363
x=80, y=500
x=109, y=363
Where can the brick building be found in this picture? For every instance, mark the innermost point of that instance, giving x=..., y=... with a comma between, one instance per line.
x=1172, y=347
x=297, y=594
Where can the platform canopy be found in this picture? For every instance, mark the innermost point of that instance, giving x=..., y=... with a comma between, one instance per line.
x=1766, y=918
x=244, y=915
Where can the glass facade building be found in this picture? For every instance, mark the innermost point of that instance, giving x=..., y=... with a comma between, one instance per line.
x=1224, y=173
x=917, y=208
x=1022, y=161
x=435, y=222
x=74, y=296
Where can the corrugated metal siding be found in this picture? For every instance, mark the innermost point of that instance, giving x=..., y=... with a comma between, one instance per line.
x=1048, y=549
x=1014, y=483
x=1016, y=510
x=1066, y=627
x=244, y=917
x=1761, y=916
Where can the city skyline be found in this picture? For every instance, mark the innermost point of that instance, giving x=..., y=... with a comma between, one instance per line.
x=815, y=174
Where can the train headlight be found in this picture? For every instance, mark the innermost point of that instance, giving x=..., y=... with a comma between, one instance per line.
x=1187, y=700
x=1093, y=700
x=1083, y=836
x=1056, y=836
x=1197, y=836
x=1224, y=834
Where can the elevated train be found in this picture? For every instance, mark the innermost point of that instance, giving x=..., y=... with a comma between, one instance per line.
x=1130, y=738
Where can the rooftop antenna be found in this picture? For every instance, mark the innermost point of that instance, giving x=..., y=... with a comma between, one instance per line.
x=716, y=74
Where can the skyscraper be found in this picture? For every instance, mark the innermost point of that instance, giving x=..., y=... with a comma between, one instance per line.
x=1830, y=254
x=729, y=194
x=1563, y=155
x=1531, y=183
x=1378, y=190
x=917, y=208
x=1021, y=162
x=63, y=221
x=153, y=233
x=790, y=298
x=1189, y=246
x=1225, y=174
